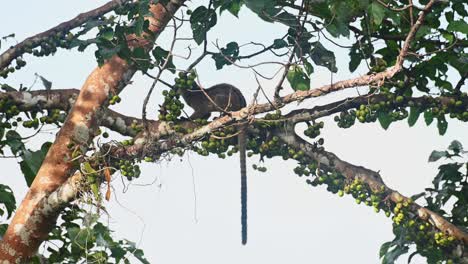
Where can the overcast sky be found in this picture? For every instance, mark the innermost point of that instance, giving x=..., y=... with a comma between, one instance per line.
x=187, y=210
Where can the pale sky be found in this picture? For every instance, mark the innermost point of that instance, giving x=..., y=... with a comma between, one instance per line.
x=187, y=210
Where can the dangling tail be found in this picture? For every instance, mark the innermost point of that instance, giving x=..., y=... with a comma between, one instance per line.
x=243, y=169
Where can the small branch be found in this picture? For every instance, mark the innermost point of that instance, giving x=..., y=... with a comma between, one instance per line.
x=161, y=70
x=278, y=87
x=395, y=9
x=461, y=82
x=413, y=31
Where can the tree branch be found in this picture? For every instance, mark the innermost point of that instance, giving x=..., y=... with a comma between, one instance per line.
x=63, y=99
x=371, y=178
x=34, y=41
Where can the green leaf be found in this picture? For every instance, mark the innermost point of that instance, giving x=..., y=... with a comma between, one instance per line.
x=117, y=252
x=385, y=119
x=413, y=115
x=377, y=12
x=7, y=198
x=233, y=6
x=107, y=33
x=88, y=169
x=159, y=54
x=308, y=67
x=32, y=161
x=140, y=256
x=3, y=228
x=356, y=57
x=423, y=31
x=279, y=43
x=139, y=23
x=338, y=28
x=104, y=53
x=202, y=20
x=14, y=141
x=393, y=254
x=428, y=117
x=323, y=57
x=81, y=238
x=265, y=9
x=459, y=26
x=442, y=125
x=298, y=80
x=138, y=253
x=384, y=248
x=456, y=146
x=95, y=189
x=227, y=55
x=287, y=19
x=436, y=155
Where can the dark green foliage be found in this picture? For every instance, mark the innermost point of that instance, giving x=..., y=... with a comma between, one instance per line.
x=202, y=20
x=84, y=238
x=7, y=201
x=450, y=182
x=227, y=56
x=32, y=161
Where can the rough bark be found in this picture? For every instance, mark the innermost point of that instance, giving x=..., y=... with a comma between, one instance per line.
x=35, y=218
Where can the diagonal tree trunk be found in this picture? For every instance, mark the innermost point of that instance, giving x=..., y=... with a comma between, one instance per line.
x=37, y=213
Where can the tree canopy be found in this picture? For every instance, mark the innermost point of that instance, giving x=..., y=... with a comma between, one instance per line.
x=406, y=60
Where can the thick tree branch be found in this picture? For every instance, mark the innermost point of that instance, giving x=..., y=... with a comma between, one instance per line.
x=63, y=99
x=371, y=178
x=302, y=115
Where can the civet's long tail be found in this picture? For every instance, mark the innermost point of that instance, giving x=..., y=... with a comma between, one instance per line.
x=243, y=169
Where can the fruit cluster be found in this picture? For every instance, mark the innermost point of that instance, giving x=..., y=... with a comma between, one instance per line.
x=313, y=130
x=366, y=114
x=306, y=170
x=20, y=63
x=127, y=142
x=270, y=120
x=46, y=47
x=219, y=144
x=186, y=81
x=418, y=231
x=8, y=108
x=135, y=126
x=378, y=65
x=172, y=107
x=129, y=169
x=394, y=107
x=346, y=119
x=259, y=168
x=443, y=239
x=54, y=116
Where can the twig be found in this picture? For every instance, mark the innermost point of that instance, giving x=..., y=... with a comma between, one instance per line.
x=34, y=41
x=166, y=62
